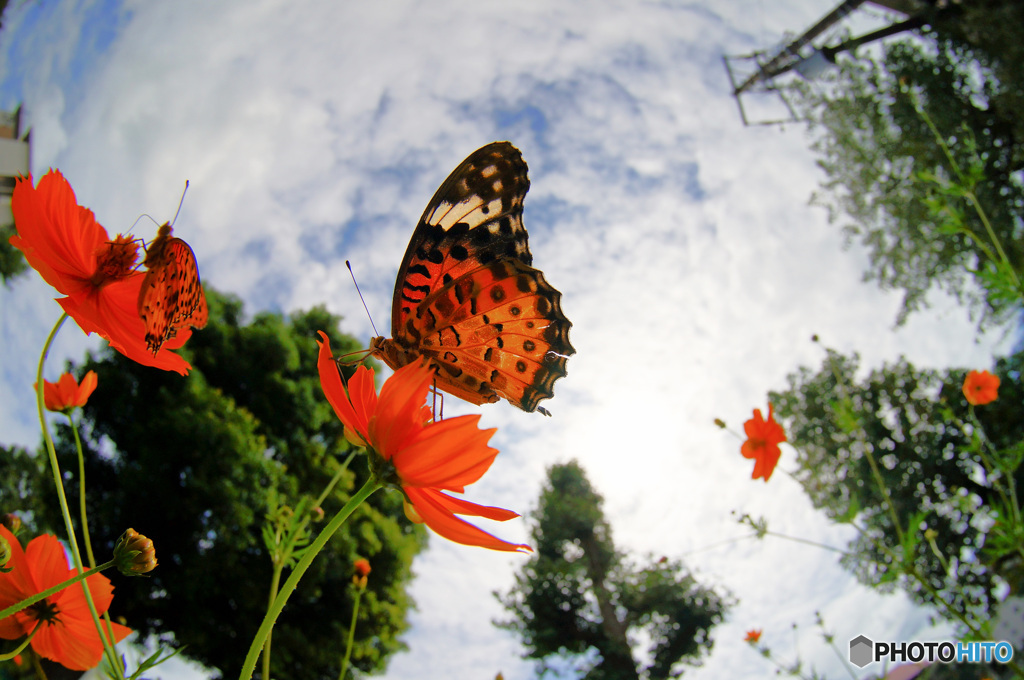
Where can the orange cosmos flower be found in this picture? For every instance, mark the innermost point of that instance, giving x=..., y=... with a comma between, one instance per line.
x=66, y=393
x=73, y=253
x=359, y=579
x=981, y=387
x=426, y=458
x=753, y=635
x=763, y=439
x=66, y=631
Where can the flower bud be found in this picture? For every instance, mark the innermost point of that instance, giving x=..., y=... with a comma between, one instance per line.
x=317, y=514
x=362, y=568
x=5, y=555
x=12, y=522
x=134, y=554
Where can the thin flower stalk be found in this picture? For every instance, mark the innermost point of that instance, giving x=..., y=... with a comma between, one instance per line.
x=76, y=555
x=300, y=569
x=53, y=590
x=25, y=643
x=81, y=494
x=287, y=543
x=967, y=190
x=359, y=584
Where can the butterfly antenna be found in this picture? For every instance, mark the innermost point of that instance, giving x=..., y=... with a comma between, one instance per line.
x=140, y=218
x=356, y=284
x=180, y=202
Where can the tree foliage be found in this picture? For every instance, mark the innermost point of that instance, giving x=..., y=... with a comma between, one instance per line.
x=578, y=595
x=12, y=262
x=885, y=169
x=913, y=427
x=196, y=463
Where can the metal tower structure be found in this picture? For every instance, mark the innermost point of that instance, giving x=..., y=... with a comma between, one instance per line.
x=768, y=65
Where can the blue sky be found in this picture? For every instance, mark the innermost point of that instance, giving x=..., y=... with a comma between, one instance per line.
x=691, y=265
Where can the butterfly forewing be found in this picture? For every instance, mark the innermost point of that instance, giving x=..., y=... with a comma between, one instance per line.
x=171, y=296
x=474, y=218
x=467, y=297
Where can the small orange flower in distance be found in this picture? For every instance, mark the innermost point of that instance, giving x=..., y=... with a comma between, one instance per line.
x=66, y=632
x=981, y=387
x=753, y=635
x=67, y=393
x=359, y=579
x=426, y=458
x=763, y=439
x=74, y=254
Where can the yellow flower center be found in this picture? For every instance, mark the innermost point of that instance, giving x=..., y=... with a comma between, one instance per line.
x=115, y=260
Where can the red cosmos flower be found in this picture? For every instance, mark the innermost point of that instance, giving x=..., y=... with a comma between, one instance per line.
x=66, y=393
x=981, y=387
x=753, y=635
x=427, y=457
x=66, y=631
x=763, y=439
x=73, y=253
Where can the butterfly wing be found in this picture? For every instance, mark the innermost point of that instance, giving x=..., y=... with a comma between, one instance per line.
x=467, y=297
x=171, y=296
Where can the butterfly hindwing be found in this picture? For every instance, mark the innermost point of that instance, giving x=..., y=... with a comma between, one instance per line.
x=171, y=296
x=497, y=331
x=466, y=296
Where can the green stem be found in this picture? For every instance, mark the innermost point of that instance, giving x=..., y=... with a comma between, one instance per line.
x=293, y=580
x=807, y=542
x=275, y=582
x=883, y=489
x=351, y=634
x=969, y=194
x=81, y=494
x=20, y=648
x=58, y=483
x=29, y=601
x=281, y=559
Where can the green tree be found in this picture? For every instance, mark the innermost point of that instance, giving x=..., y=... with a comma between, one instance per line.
x=12, y=262
x=196, y=463
x=578, y=597
x=909, y=425
x=886, y=173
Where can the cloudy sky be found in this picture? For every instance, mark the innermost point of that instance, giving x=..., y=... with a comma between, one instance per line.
x=691, y=265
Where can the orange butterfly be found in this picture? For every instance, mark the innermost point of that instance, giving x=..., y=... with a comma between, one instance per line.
x=466, y=296
x=171, y=297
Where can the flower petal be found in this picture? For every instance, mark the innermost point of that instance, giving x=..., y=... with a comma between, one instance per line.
x=58, y=237
x=15, y=586
x=354, y=419
x=449, y=454
x=438, y=512
x=74, y=645
x=113, y=314
x=402, y=409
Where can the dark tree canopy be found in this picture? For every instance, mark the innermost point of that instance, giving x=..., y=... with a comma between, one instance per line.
x=876, y=151
x=912, y=422
x=578, y=595
x=192, y=462
x=12, y=262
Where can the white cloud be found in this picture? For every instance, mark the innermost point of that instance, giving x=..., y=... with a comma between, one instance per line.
x=690, y=264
